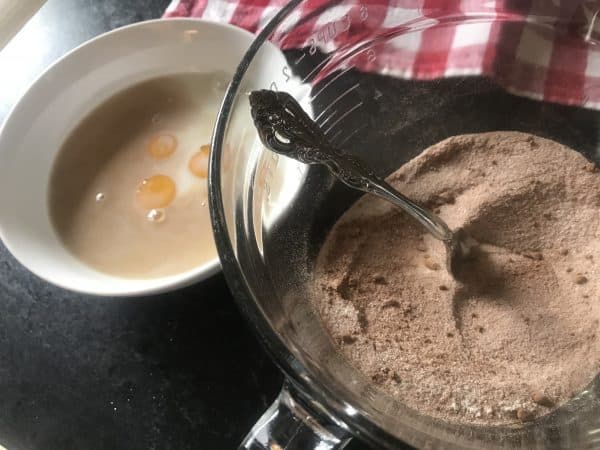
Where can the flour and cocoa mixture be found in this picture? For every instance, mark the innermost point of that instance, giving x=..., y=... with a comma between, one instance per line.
x=520, y=336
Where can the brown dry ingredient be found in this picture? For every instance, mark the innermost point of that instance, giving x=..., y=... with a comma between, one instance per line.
x=520, y=324
x=541, y=398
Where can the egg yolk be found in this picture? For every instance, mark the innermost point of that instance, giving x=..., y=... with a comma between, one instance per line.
x=161, y=146
x=155, y=192
x=198, y=164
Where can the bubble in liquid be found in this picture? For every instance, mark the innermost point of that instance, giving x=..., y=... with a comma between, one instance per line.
x=156, y=215
x=100, y=197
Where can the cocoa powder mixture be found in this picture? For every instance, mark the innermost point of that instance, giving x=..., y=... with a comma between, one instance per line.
x=520, y=336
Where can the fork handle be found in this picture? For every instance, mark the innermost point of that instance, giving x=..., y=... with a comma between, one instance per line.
x=436, y=226
x=354, y=173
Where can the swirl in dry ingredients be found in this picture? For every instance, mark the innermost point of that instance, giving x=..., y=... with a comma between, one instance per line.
x=519, y=335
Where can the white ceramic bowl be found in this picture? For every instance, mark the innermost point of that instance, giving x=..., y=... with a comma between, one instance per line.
x=71, y=88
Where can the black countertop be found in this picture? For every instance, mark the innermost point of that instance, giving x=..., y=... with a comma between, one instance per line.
x=175, y=371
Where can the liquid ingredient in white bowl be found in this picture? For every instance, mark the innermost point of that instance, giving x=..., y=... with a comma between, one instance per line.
x=521, y=336
x=128, y=192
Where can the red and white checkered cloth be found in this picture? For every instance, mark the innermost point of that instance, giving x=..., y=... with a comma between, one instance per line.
x=559, y=62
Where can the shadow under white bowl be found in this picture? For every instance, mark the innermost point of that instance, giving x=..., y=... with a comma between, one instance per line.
x=71, y=88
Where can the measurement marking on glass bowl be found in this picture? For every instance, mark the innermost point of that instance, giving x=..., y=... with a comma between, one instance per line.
x=371, y=56
x=329, y=117
x=343, y=116
x=333, y=29
x=328, y=32
x=331, y=81
x=280, y=35
x=286, y=74
x=317, y=67
x=338, y=98
x=299, y=60
x=586, y=98
x=336, y=135
x=325, y=34
x=395, y=408
x=351, y=134
x=369, y=392
x=364, y=13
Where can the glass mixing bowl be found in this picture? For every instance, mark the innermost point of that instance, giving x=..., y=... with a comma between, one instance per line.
x=271, y=214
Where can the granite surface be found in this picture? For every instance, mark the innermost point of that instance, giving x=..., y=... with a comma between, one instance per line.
x=175, y=371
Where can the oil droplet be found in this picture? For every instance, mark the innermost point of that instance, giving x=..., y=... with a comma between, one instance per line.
x=155, y=192
x=100, y=197
x=161, y=146
x=198, y=164
x=156, y=215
